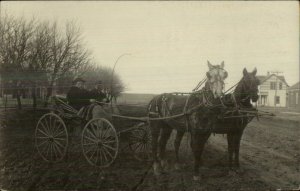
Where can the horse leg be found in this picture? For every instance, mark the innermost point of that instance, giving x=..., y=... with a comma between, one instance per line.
x=230, y=141
x=237, y=140
x=199, y=140
x=165, y=135
x=155, y=130
x=179, y=135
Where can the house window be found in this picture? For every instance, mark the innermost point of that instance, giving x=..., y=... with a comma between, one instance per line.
x=297, y=98
x=273, y=85
x=280, y=86
x=277, y=100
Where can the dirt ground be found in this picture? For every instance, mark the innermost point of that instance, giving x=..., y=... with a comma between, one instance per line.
x=269, y=156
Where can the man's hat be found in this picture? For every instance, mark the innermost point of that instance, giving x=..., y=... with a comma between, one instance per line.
x=98, y=82
x=78, y=80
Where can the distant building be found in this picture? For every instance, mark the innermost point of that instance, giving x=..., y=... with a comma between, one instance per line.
x=293, y=99
x=272, y=90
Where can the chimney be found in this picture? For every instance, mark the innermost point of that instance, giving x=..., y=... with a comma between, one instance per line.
x=268, y=73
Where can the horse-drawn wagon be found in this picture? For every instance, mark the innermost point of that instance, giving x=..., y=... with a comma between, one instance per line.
x=100, y=137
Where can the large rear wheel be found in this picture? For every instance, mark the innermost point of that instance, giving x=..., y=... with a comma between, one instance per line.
x=51, y=138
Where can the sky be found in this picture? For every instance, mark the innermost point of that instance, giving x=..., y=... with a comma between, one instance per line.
x=170, y=42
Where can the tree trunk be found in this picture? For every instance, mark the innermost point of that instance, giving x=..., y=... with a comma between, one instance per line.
x=33, y=93
x=19, y=100
x=49, y=93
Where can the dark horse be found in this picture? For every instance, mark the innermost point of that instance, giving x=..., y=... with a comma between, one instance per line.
x=166, y=105
x=226, y=120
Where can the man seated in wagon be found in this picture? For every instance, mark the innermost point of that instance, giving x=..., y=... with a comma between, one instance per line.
x=84, y=101
x=78, y=96
x=98, y=94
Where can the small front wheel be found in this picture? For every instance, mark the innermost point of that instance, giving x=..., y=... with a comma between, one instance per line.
x=100, y=142
x=139, y=141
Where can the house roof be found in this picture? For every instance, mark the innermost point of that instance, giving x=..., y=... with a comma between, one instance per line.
x=262, y=78
x=295, y=86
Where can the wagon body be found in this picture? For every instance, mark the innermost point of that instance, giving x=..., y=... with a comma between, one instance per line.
x=99, y=137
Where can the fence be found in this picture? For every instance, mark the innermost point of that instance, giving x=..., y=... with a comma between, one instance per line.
x=9, y=102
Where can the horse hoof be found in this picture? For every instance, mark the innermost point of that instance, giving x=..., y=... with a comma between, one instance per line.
x=196, y=178
x=232, y=173
x=157, y=169
x=177, y=166
x=164, y=165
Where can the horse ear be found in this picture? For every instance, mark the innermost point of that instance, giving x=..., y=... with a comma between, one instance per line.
x=208, y=75
x=222, y=65
x=254, y=71
x=209, y=65
x=245, y=72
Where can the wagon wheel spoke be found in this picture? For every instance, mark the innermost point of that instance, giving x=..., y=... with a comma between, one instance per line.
x=88, y=144
x=103, y=156
x=89, y=149
x=93, y=131
x=44, y=133
x=96, y=128
x=60, y=139
x=56, y=135
x=93, y=154
x=56, y=130
x=135, y=138
x=55, y=151
x=42, y=143
x=50, y=125
x=105, y=150
x=58, y=143
x=109, y=141
x=52, y=151
x=90, y=139
x=48, y=148
x=103, y=136
x=57, y=148
x=48, y=128
x=107, y=146
x=138, y=148
x=89, y=132
x=45, y=128
x=42, y=137
x=44, y=150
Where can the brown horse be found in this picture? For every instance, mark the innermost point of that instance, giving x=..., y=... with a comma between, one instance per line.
x=223, y=121
x=166, y=105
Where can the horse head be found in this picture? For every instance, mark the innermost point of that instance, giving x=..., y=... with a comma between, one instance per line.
x=215, y=78
x=249, y=85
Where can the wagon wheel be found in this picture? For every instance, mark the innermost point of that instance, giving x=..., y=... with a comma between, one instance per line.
x=140, y=142
x=51, y=137
x=100, y=142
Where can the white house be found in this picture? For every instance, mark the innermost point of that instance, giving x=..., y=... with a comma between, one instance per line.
x=293, y=98
x=272, y=90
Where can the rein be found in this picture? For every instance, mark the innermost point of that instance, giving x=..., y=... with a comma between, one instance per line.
x=200, y=84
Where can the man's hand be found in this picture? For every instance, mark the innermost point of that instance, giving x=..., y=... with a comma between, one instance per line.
x=92, y=100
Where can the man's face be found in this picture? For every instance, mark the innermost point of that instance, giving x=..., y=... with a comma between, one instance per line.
x=99, y=86
x=80, y=84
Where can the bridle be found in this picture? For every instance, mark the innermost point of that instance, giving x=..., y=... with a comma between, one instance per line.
x=217, y=78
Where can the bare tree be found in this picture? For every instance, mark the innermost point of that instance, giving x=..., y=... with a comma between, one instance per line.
x=15, y=35
x=112, y=84
x=67, y=53
x=39, y=53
